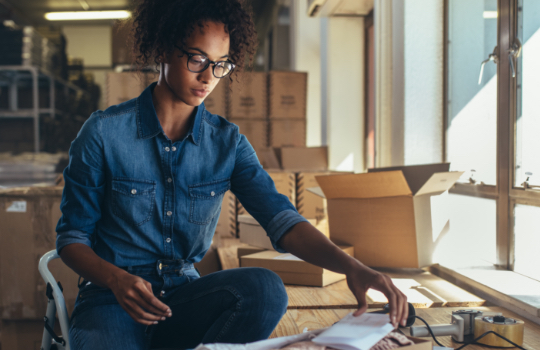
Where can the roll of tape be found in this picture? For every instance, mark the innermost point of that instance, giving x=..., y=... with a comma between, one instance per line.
x=509, y=328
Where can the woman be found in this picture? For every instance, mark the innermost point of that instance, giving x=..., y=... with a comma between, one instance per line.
x=143, y=192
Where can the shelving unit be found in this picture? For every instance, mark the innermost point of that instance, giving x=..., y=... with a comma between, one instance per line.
x=16, y=76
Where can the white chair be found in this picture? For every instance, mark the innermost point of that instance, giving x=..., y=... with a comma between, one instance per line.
x=55, y=304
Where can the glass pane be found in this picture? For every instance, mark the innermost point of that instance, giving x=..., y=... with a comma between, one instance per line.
x=470, y=239
x=527, y=240
x=472, y=106
x=528, y=116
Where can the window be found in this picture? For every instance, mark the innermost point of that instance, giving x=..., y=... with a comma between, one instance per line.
x=492, y=127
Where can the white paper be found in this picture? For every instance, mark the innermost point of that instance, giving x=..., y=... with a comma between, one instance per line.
x=17, y=207
x=288, y=256
x=274, y=343
x=442, y=348
x=356, y=333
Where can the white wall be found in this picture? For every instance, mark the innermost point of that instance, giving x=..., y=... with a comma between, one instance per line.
x=423, y=52
x=306, y=57
x=345, y=78
x=92, y=43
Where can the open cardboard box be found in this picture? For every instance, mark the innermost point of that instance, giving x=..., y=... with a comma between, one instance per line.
x=386, y=215
x=293, y=270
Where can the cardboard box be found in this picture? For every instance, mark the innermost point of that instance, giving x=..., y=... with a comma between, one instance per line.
x=287, y=95
x=121, y=44
x=386, y=215
x=287, y=133
x=293, y=270
x=285, y=183
x=226, y=226
x=295, y=158
x=248, y=250
x=122, y=87
x=250, y=232
x=216, y=102
x=28, y=218
x=248, y=99
x=23, y=335
x=256, y=131
x=209, y=263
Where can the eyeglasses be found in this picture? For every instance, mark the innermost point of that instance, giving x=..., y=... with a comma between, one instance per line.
x=198, y=63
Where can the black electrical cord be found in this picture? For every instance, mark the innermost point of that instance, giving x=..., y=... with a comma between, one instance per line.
x=490, y=332
x=472, y=342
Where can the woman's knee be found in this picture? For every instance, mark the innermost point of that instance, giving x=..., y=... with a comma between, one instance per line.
x=267, y=287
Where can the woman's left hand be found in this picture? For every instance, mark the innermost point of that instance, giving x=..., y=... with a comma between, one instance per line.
x=361, y=278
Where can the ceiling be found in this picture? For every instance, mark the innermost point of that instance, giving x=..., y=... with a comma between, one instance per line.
x=31, y=12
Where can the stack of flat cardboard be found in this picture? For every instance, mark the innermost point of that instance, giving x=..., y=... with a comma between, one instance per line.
x=293, y=270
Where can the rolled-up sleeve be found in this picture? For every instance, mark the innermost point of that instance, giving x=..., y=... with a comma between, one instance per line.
x=255, y=189
x=84, y=187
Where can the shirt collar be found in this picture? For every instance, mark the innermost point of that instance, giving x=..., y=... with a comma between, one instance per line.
x=148, y=123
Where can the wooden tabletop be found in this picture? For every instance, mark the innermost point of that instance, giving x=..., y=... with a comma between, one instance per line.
x=296, y=320
x=423, y=289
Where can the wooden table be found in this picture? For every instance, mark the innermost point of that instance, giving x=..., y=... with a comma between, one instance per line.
x=423, y=289
x=296, y=320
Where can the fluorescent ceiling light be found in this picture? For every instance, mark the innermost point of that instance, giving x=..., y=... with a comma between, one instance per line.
x=490, y=14
x=86, y=15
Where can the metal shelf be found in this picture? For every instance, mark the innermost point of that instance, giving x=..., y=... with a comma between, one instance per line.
x=13, y=76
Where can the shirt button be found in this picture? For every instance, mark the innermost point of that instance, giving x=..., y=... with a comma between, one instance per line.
x=169, y=213
x=133, y=191
x=168, y=240
x=212, y=193
x=167, y=149
x=169, y=180
x=174, y=149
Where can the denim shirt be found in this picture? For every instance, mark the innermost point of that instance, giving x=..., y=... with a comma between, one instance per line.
x=136, y=197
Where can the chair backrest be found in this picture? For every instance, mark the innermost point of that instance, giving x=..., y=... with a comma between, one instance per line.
x=60, y=303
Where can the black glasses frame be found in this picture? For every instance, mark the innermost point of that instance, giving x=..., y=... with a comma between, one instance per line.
x=209, y=61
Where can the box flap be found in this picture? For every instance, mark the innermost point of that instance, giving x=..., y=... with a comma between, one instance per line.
x=316, y=190
x=247, y=219
x=416, y=175
x=268, y=158
x=440, y=182
x=376, y=185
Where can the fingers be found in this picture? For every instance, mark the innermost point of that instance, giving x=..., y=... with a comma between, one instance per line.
x=362, y=304
x=399, y=309
x=153, y=304
x=139, y=314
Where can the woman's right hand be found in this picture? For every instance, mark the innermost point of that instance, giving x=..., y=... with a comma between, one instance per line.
x=135, y=296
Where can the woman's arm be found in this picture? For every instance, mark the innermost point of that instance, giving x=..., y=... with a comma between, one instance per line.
x=309, y=244
x=133, y=293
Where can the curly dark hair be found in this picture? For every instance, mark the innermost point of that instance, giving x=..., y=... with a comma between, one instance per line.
x=158, y=25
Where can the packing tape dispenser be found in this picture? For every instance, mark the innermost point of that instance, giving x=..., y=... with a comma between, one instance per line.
x=470, y=324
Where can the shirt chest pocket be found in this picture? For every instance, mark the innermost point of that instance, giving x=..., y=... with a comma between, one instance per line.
x=205, y=200
x=133, y=200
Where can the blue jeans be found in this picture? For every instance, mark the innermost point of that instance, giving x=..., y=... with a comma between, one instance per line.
x=232, y=306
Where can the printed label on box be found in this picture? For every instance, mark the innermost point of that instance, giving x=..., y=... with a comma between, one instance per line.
x=17, y=207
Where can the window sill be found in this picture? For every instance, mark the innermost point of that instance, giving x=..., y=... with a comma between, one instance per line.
x=508, y=289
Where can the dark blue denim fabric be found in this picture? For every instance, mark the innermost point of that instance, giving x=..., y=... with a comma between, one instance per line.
x=135, y=197
x=232, y=306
